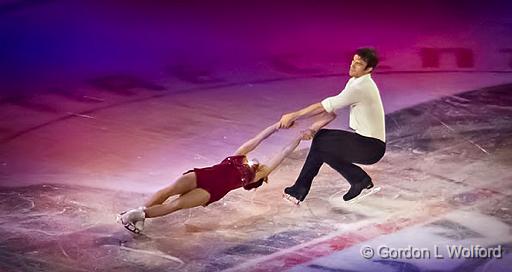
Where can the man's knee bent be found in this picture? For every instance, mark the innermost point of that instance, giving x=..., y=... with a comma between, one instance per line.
x=318, y=136
x=318, y=140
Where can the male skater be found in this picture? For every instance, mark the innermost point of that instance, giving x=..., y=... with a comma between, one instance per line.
x=338, y=148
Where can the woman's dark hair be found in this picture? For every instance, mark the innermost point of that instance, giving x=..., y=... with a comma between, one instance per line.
x=369, y=55
x=256, y=184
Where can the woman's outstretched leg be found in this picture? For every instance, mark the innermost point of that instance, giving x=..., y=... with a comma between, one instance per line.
x=193, y=198
x=182, y=185
x=133, y=219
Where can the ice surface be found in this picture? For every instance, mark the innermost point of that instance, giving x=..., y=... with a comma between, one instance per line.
x=435, y=174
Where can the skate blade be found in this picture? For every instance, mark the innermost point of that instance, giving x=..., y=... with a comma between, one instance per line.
x=366, y=192
x=131, y=227
x=291, y=199
x=119, y=218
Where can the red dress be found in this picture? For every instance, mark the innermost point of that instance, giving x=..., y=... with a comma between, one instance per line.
x=232, y=173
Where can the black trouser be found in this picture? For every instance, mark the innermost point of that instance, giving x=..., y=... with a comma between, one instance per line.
x=340, y=150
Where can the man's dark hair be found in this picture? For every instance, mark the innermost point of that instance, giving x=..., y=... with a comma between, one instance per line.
x=369, y=55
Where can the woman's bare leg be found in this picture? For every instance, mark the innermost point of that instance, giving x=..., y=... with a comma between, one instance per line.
x=182, y=185
x=193, y=198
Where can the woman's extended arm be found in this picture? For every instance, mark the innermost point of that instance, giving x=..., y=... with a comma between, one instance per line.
x=254, y=142
x=278, y=159
x=325, y=119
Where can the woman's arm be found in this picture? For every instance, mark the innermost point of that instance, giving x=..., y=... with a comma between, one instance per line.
x=278, y=159
x=325, y=119
x=254, y=142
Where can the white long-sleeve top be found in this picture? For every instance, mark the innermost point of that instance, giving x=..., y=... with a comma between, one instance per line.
x=366, y=110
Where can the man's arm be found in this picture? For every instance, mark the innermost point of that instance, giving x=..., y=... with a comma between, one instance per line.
x=311, y=110
x=347, y=97
x=278, y=158
x=254, y=142
x=350, y=95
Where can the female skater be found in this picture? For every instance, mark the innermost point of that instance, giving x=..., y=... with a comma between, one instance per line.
x=202, y=186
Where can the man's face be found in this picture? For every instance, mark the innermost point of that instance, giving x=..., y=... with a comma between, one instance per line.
x=357, y=67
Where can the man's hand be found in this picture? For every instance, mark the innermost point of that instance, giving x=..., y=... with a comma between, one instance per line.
x=308, y=134
x=287, y=120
